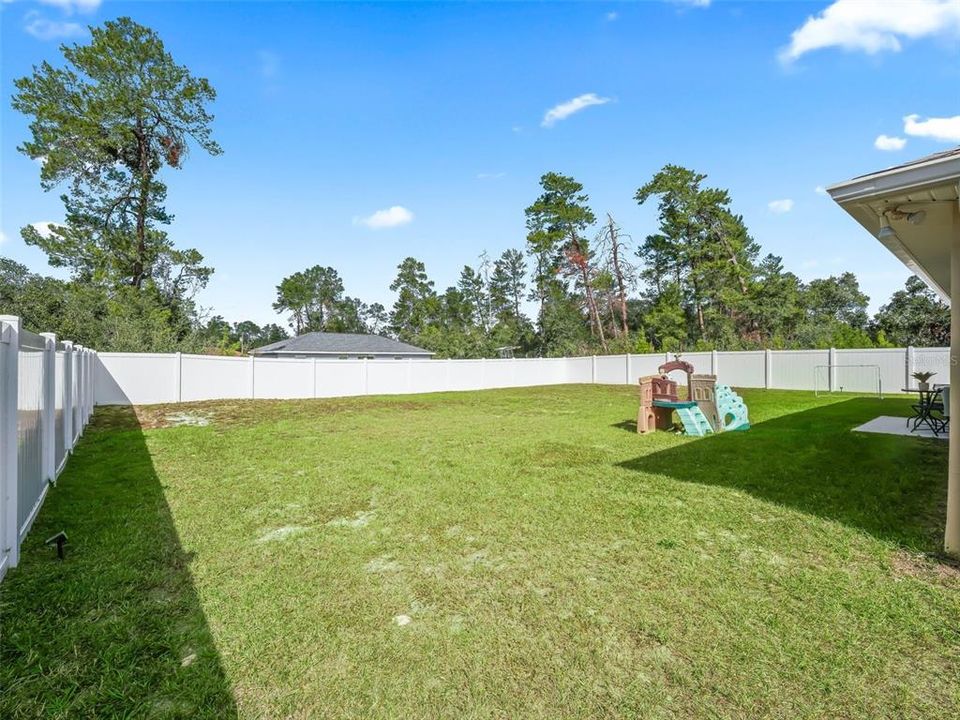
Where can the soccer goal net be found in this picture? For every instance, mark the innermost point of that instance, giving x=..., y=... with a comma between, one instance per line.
x=862, y=379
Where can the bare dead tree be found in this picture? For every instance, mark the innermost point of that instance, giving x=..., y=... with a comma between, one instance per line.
x=624, y=274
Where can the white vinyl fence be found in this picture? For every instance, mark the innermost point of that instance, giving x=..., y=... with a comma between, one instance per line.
x=145, y=378
x=46, y=398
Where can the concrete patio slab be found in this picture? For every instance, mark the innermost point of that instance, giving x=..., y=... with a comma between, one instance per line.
x=887, y=425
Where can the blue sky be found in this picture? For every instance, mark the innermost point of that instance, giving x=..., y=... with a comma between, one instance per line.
x=439, y=115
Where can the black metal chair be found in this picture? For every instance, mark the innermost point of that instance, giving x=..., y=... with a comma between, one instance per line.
x=933, y=410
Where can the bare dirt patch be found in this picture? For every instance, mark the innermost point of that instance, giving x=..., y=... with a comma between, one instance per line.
x=233, y=413
x=933, y=569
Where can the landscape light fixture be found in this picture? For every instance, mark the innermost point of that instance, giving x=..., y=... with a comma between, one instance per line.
x=59, y=540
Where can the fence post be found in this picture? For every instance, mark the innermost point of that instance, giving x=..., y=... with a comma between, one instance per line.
x=178, y=376
x=90, y=369
x=67, y=396
x=88, y=398
x=627, y=368
x=593, y=369
x=767, y=369
x=78, y=386
x=253, y=375
x=48, y=441
x=314, y=377
x=81, y=384
x=831, y=370
x=95, y=364
x=909, y=362
x=366, y=376
x=82, y=388
x=9, y=369
x=714, y=362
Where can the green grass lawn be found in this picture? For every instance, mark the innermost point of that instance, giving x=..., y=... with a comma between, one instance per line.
x=500, y=554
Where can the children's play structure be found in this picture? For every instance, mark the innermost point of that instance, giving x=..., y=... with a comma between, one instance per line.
x=709, y=407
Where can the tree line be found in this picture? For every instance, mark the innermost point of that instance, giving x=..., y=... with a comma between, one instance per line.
x=698, y=283
x=120, y=111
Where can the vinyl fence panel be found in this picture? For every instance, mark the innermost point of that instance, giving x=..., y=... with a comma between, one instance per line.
x=208, y=377
x=44, y=388
x=742, y=369
x=31, y=480
x=935, y=360
x=339, y=378
x=125, y=378
x=796, y=369
x=60, y=403
x=280, y=379
x=611, y=369
x=643, y=365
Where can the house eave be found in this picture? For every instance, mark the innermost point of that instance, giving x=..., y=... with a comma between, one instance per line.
x=919, y=176
x=928, y=183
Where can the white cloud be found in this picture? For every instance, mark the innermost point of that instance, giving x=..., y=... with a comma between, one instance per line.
x=390, y=217
x=885, y=142
x=68, y=6
x=45, y=29
x=491, y=176
x=779, y=207
x=43, y=227
x=269, y=64
x=873, y=27
x=820, y=190
x=3, y=237
x=568, y=108
x=945, y=129
x=611, y=16
x=693, y=3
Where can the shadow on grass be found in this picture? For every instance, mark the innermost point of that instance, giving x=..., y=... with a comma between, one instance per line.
x=116, y=629
x=892, y=487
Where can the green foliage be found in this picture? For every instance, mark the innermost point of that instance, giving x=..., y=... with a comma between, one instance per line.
x=105, y=123
x=556, y=226
x=703, y=253
x=417, y=305
x=914, y=316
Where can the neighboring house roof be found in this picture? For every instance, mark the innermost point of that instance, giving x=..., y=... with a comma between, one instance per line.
x=912, y=210
x=321, y=343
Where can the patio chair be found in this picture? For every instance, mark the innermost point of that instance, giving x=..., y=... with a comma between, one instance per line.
x=941, y=405
x=933, y=410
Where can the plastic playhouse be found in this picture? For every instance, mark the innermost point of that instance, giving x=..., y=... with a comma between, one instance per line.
x=709, y=407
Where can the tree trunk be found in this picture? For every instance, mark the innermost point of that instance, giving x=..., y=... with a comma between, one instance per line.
x=734, y=262
x=592, y=305
x=143, y=205
x=618, y=274
x=587, y=289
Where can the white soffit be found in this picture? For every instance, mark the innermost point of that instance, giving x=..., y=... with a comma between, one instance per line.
x=929, y=185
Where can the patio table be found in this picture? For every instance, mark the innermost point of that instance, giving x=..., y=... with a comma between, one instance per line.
x=923, y=411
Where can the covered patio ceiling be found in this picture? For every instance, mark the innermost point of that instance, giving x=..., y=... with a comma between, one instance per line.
x=913, y=209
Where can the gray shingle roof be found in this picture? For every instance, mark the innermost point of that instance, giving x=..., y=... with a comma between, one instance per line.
x=341, y=344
